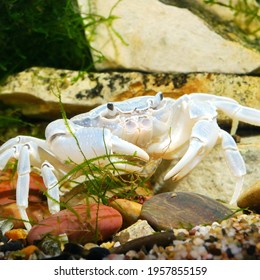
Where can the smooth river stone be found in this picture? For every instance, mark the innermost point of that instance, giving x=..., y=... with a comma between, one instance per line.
x=182, y=209
x=130, y=210
x=250, y=198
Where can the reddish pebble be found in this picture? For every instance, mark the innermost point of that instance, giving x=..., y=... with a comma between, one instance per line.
x=82, y=224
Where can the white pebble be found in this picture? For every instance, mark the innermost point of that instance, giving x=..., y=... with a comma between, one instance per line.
x=202, y=230
x=195, y=255
x=117, y=244
x=234, y=249
x=181, y=230
x=231, y=232
x=198, y=241
x=215, y=225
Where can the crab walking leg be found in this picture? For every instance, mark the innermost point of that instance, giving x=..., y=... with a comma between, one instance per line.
x=9, y=144
x=6, y=156
x=52, y=185
x=23, y=184
x=204, y=136
x=239, y=113
x=21, y=140
x=235, y=163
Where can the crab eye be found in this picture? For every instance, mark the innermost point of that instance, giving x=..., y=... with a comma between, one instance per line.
x=111, y=110
x=110, y=106
x=160, y=95
x=156, y=100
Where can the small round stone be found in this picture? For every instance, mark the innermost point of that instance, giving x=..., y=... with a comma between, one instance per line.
x=250, y=198
x=130, y=210
x=182, y=210
x=16, y=234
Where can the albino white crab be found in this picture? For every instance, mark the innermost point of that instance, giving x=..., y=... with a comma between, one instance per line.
x=149, y=127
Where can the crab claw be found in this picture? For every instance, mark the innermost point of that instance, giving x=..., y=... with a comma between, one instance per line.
x=188, y=161
x=123, y=147
x=204, y=136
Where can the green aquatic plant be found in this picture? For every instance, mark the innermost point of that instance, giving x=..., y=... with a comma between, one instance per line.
x=93, y=20
x=42, y=33
x=10, y=116
x=246, y=14
x=100, y=182
x=49, y=34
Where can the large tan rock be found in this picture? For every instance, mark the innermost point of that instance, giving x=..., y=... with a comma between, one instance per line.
x=235, y=13
x=151, y=36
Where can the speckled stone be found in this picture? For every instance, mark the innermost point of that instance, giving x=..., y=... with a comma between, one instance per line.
x=139, y=229
x=173, y=210
x=35, y=90
x=250, y=198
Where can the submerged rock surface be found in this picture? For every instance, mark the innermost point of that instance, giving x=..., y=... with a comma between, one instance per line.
x=35, y=91
x=151, y=36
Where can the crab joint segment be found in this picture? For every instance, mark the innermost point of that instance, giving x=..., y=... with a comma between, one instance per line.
x=235, y=163
x=23, y=184
x=52, y=184
x=5, y=157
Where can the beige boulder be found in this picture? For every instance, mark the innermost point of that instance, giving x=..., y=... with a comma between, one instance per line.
x=151, y=36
